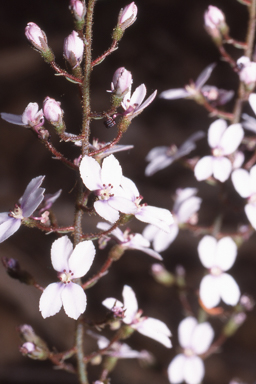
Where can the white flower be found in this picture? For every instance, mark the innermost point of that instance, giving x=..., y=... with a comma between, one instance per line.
x=106, y=182
x=131, y=241
x=195, y=339
x=162, y=157
x=185, y=207
x=245, y=184
x=28, y=203
x=153, y=328
x=218, y=257
x=247, y=72
x=31, y=117
x=70, y=264
x=224, y=141
x=160, y=217
x=133, y=105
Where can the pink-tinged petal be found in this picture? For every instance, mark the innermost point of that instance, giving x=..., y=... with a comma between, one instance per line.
x=50, y=301
x=222, y=168
x=204, y=75
x=252, y=101
x=175, y=369
x=226, y=252
x=8, y=226
x=156, y=330
x=250, y=211
x=241, y=182
x=138, y=95
x=176, y=93
x=90, y=172
x=106, y=211
x=249, y=122
x=111, y=172
x=60, y=253
x=111, y=302
x=163, y=240
x=188, y=208
x=253, y=178
x=149, y=252
x=74, y=300
x=130, y=304
x=229, y=289
x=146, y=103
x=13, y=119
x=194, y=370
x=215, y=132
x=123, y=205
x=209, y=291
x=185, y=331
x=130, y=188
x=81, y=258
x=32, y=196
x=204, y=168
x=232, y=138
x=207, y=251
x=33, y=185
x=202, y=338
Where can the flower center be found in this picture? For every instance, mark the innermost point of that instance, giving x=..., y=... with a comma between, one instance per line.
x=215, y=271
x=105, y=193
x=189, y=352
x=137, y=202
x=65, y=276
x=17, y=212
x=217, y=152
x=171, y=150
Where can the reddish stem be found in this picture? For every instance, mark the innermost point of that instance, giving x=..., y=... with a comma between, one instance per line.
x=105, y=54
x=59, y=156
x=115, y=141
x=64, y=73
x=98, y=275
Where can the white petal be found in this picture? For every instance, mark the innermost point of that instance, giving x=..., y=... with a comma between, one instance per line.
x=145, y=104
x=130, y=304
x=111, y=302
x=111, y=172
x=81, y=258
x=222, y=168
x=209, y=291
x=194, y=370
x=232, y=138
x=226, y=252
x=160, y=217
x=253, y=178
x=13, y=119
x=229, y=290
x=207, y=250
x=122, y=204
x=158, y=163
x=241, y=182
x=90, y=172
x=32, y=196
x=138, y=95
x=188, y=208
x=176, y=93
x=149, y=232
x=130, y=188
x=163, y=240
x=204, y=168
x=149, y=252
x=156, y=152
x=215, y=132
x=175, y=369
x=250, y=211
x=74, y=300
x=50, y=301
x=60, y=253
x=8, y=227
x=252, y=101
x=156, y=330
x=204, y=75
x=202, y=338
x=106, y=211
x=139, y=241
x=185, y=331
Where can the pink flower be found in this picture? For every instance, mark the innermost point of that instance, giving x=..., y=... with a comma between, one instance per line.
x=247, y=73
x=78, y=8
x=53, y=111
x=213, y=17
x=128, y=15
x=70, y=264
x=133, y=105
x=31, y=117
x=73, y=49
x=121, y=82
x=37, y=37
x=224, y=141
x=218, y=257
x=147, y=326
x=194, y=339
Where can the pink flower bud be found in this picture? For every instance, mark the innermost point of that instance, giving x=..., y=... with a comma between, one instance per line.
x=247, y=72
x=128, y=15
x=121, y=82
x=32, y=117
x=78, y=8
x=73, y=49
x=213, y=17
x=37, y=37
x=53, y=111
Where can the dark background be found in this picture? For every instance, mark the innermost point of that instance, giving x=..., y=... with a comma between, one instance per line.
x=165, y=48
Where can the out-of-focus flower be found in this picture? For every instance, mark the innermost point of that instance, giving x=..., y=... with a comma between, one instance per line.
x=49, y=199
x=133, y=105
x=73, y=49
x=245, y=184
x=184, y=210
x=215, y=23
x=121, y=82
x=31, y=117
x=53, y=111
x=70, y=264
x=105, y=181
x=195, y=339
x=128, y=16
x=28, y=203
x=224, y=141
x=216, y=96
x=37, y=37
x=250, y=122
x=78, y=8
x=247, y=73
x=218, y=257
x=160, y=217
x=128, y=240
x=191, y=91
x=153, y=328
x=162, y=157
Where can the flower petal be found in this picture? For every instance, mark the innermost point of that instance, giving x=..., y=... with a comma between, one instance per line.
x=202, y=338
x=229, y=289
x=123, y=205
x=188, y=208
x=194, y=370
x=130, y=188
x=74, y=300
x=50, y=301
x=138, y=95
x=148, y=101
x=222, y=168
x=215, y=132
x=204, y=168
x=226, y=252
x=81, y=258
x=252, y=101
x=158, y=163
x=130, y=304
x=185, y=331
x=60, y=253
x=176, y=93
x=209, y=291
x=231, y=138
x=250, y=211
x=156, y=330
x=90, y=172
x=148, y=251
x=32, y=196
x=204, y=76
x=175, y=369
x=9, y=225
x=106, y=211
x=111, y=302
x=207, y=250
x=163, y=240
x=13, y=119
x=160, y=217
x=111, y=172
x=241, y=182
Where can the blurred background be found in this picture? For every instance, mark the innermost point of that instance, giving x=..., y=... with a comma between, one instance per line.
x=165, y=48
